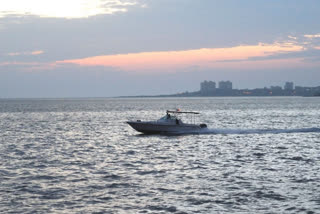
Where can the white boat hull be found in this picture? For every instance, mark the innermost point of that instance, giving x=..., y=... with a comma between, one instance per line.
x=165, y=128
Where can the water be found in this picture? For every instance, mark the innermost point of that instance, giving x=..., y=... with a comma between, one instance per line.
x=259, y=155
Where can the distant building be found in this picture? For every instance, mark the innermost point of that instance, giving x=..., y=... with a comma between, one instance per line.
x=307, y=91
x=225, y=85
x=276, y=88
x=207, y=87
x=288, y=86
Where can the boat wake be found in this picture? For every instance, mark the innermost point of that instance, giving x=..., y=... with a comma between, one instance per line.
x=252, y=131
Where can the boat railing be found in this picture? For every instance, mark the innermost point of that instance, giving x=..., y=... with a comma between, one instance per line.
x=182, y=112
x=192, y=114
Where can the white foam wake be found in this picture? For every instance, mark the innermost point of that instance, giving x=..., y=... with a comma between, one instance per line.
x=257, y=131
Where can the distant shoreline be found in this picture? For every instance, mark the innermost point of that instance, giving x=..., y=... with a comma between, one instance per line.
x=175, y=96
x=142, y=96
x=257, y=92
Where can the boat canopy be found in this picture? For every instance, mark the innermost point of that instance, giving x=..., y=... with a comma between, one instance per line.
x=181, y=112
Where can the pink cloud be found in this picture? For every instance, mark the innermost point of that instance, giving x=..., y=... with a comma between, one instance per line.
x=205, y=57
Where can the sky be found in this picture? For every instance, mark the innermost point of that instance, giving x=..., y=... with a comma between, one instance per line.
x=106, y=48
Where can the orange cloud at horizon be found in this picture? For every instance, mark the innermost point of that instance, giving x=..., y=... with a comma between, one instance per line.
x=205, y=57
x=37, y=52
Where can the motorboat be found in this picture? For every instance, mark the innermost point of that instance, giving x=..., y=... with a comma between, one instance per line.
x=171, y=123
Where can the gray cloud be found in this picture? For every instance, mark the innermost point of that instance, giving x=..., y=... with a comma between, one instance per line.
x=307, y=55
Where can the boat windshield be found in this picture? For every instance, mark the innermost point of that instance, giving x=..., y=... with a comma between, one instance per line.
x=168, y=117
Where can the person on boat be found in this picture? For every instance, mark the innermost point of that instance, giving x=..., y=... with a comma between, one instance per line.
x=168, y=116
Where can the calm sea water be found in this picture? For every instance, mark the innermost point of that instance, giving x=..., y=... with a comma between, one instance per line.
x=260, y=155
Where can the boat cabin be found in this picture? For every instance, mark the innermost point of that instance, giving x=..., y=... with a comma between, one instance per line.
x=170, y=118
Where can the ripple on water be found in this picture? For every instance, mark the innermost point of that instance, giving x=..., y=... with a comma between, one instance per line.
x=79, y=156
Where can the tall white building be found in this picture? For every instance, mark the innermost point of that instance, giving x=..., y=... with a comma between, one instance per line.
x=288, y=86
x=207, y=87
x=225, y=85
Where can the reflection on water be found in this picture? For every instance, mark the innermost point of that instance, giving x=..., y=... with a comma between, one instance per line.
x=259, y=155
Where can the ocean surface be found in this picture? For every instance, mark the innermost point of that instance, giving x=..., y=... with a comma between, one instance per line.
x=258, y=155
